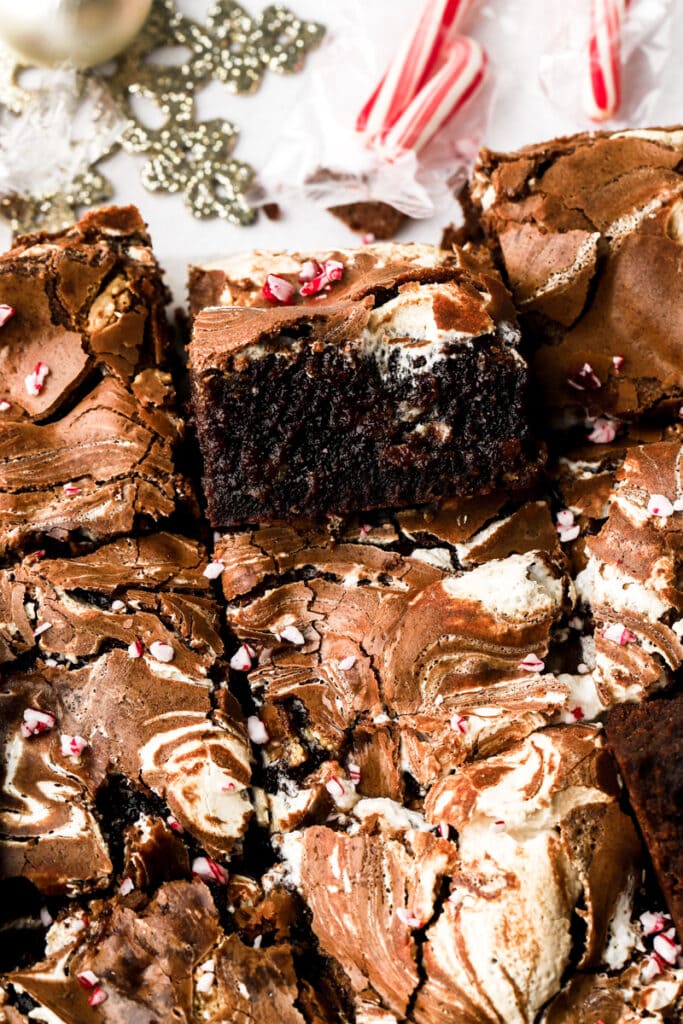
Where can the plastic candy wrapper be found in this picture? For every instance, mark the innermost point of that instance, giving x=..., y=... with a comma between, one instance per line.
x=392, y=113
x=604, y=61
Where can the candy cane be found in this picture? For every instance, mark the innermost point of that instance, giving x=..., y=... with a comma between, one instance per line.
x=443, y=95
x=604, y=59
x=413, y=64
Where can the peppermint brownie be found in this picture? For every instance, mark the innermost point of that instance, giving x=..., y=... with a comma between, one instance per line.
x=587, y=232
x=87, y=426
x=412, y=393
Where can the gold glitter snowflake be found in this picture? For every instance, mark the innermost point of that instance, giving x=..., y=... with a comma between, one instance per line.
x=184, y=155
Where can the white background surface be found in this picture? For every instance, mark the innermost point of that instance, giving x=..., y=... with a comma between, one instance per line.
x=520, y=114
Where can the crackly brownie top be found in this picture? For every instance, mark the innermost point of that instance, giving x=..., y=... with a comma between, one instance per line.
x=111, y=656
x=588, y=231
x=425, y=303
x=475, y=919
x=239, y=280
x=87, y=421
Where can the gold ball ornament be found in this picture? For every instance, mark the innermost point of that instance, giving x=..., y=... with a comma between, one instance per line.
x=78, y=33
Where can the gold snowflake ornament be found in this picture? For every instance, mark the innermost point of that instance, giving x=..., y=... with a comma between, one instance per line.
x=184, y=155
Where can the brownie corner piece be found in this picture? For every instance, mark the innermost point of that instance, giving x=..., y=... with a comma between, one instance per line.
x=407, y=395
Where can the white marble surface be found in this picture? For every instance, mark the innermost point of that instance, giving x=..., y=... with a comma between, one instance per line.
x=516, y=33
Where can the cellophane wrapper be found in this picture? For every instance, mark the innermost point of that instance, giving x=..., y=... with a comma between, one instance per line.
x=319, y=156
x=646, y=51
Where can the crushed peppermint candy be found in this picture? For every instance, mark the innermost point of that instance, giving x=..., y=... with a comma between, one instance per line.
x=565, y=517
x=408, y=919
x=582, y=669
x=331, y=271
x=5, y=406
x=653, y=923
x=97, y=996
x=257, y=941
x=346, y=664
x=459, y=724
x=659, y=505
x=257, y=731
x=51, y=662
x=566, y=528
x=354, y=772
x=35, y=382
x=577, y=713
x=72, y=746
x=444, y=829
x=6, y=313
x=45, y=917
x=585, y=379
x=652, y=968
x=680, y=413
x=71, y=490
x=161, y=651
x=619, y=634
x=136, y=649
x=209, y=871
x=531, y=664
x=335, y=787
x=127, y=886
x=617, y=363
x=666, y=947
x=36, y=722
x=498, y=826
x=208, y=967
x=293, y=635
x=87, y=979
x=368, y=238
x=310, y=270
x=213, y=570
x=278, y=289
x=603, y=431
x=42, y=628
x=174, y=824
x=118, y=606
x=241, y=659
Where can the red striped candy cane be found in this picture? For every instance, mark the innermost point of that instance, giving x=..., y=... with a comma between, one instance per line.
x=604, y=59
x=444, y=94
x=413, y=64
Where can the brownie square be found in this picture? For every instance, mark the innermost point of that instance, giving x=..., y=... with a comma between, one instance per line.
x=587, y=232
x=411, y=393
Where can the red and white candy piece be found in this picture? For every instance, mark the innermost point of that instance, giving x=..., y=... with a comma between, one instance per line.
x=354, y=772
x=617, y=363
x=414, y=63
x=619, y=634
x=659, y=505
x=666, y=947
x=603, y=95
x=35, y=381
x=498, y=826
x=652, y=923
x=293, y=635
x=71, y=490
x=346, y=664
x=209, y=871
x=136, y=649
x=329, y=272
x=72, y=746
x=87, y=979
x=97, y=996
x=36, y=722
x=279, y=290
x=126, y=887
x=531, y=663
x=459, y=724
x=174, y=824
x=241, y=659
x=161, y=651
x=603, y=431
x=440, y=99
x=5, y=406
x=6, y=313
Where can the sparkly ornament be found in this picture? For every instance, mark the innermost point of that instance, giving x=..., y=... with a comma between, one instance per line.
x=183, y=155
x=80, y=33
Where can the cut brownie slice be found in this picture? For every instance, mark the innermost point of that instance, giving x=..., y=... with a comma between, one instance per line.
x=412, y=393
x=647, y=741
x=588, y=231
x=87, y=428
